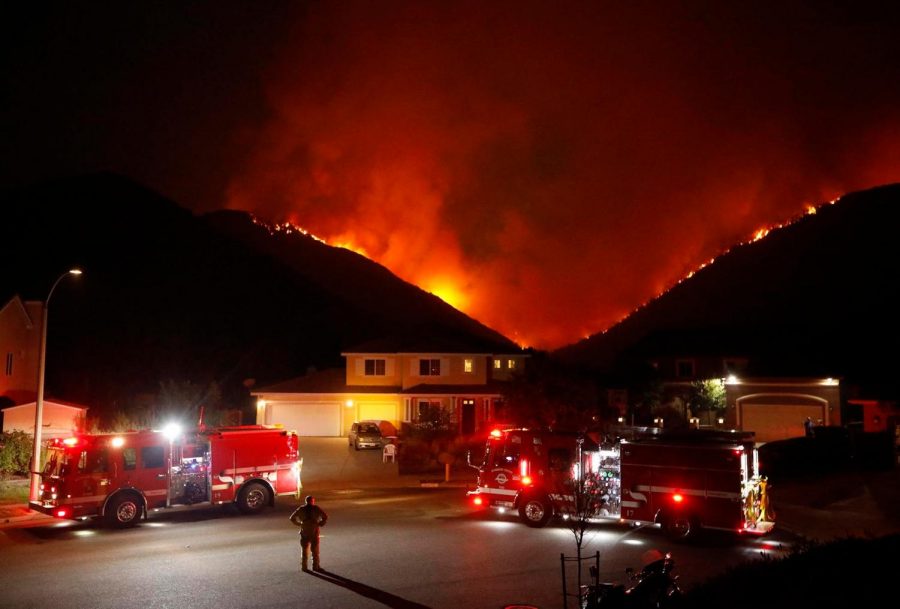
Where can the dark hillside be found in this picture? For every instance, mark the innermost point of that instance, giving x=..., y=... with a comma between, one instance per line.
x=815, y=297
x=167, y=296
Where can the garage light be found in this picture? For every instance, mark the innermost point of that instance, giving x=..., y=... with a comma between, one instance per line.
x=349, y=403
x=260, y=403
x=731, y=380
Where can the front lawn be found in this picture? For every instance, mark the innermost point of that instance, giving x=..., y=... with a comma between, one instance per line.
x=14, y=490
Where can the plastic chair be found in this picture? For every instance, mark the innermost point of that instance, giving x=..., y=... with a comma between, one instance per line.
x=389, y=452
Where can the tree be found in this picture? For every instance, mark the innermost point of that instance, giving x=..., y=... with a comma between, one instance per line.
x=180, y=401
x=15, y=453
x=548, y=395
x=587, y=490
x=707, y=396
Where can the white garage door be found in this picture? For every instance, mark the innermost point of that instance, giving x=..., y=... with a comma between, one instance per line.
x=778, y=421
x=307, y=419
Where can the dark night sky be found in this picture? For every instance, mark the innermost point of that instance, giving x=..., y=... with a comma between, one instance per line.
x=545, y=166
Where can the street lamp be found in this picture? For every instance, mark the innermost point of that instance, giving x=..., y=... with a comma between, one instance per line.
x=39, y=405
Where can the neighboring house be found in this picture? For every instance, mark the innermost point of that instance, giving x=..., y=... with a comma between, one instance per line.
x=20, y=336
x=679, y=373
x=59, y=419
x=878, y=415
x=776, y=408
x=447, y=385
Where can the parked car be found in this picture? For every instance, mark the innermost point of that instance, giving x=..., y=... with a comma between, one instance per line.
x=365, y=434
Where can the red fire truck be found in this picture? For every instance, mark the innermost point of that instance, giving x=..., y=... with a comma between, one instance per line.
x=680, y=481
x=122, y=477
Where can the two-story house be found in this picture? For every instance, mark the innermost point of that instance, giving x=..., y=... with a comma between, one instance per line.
x=20, y=339
x=447, y=384
x=20, y=343
x=773, y=407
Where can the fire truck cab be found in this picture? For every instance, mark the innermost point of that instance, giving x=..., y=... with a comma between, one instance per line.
x=679, y=481
x=123, y=477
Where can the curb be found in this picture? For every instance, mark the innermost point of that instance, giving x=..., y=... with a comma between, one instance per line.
x=14, y=513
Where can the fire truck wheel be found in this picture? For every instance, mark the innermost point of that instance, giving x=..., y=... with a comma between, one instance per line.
x=124, y=511
x=535, y=511
x=254, y=497
x=682, y=527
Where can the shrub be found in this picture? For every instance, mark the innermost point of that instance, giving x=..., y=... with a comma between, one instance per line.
x=15, y=453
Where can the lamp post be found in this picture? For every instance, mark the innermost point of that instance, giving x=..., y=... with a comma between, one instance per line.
x=39, y=404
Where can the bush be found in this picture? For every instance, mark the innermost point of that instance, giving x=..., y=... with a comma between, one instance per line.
x=852, y=572
x=15, y=453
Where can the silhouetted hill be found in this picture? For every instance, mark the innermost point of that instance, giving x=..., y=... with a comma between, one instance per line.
x=168, y=296
x=816, y=297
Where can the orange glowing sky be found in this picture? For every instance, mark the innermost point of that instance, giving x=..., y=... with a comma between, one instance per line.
x=544, y=167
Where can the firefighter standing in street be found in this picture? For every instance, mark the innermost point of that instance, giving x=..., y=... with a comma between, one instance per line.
x=309, y=517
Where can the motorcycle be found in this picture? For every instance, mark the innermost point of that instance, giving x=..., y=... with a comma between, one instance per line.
x=654, y=586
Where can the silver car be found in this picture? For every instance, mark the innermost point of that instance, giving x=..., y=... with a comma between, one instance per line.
x=365, y=434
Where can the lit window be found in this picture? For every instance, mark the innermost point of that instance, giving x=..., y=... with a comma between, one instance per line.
x=511, y=364
x=374, y=367
x=429, y=367
x=497, y=364
x=468, y=365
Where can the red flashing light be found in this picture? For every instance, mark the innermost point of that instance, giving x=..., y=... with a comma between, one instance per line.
x=477, y=500
x=70, y=441
x=677, y=497
x=526, y=480
x=62, y=513
x=496, y=433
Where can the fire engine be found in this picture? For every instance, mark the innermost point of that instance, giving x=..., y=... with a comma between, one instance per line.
x=123, y=477
x=679, y=481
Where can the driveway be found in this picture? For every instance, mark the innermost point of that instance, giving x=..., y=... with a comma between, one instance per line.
x=330, y=463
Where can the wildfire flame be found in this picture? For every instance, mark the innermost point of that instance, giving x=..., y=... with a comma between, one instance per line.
x=757, y=236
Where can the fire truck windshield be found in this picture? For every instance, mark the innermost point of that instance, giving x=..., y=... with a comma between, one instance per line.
x=506, y=454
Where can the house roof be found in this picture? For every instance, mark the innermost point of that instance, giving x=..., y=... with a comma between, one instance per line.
x=59, y=403
x=332, y=380
x=429, y=343
x=16, y=303
x=490, y=388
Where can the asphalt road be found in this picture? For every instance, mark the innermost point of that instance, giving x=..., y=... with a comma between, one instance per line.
x=399, y=548
x=389, y=543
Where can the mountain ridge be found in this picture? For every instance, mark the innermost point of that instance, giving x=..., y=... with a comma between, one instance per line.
x=211, y=298
x=806, y=299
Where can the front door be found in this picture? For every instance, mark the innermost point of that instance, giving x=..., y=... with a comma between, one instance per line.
x=467, y=424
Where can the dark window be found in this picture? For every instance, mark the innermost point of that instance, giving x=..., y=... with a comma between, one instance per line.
x=560, y=459
x=429, y=367
x=93, y=462
x=511, y=451
x=152, y=457
x=684, y=368
x=9, y=364
x=129, y=456
x=374, y=367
